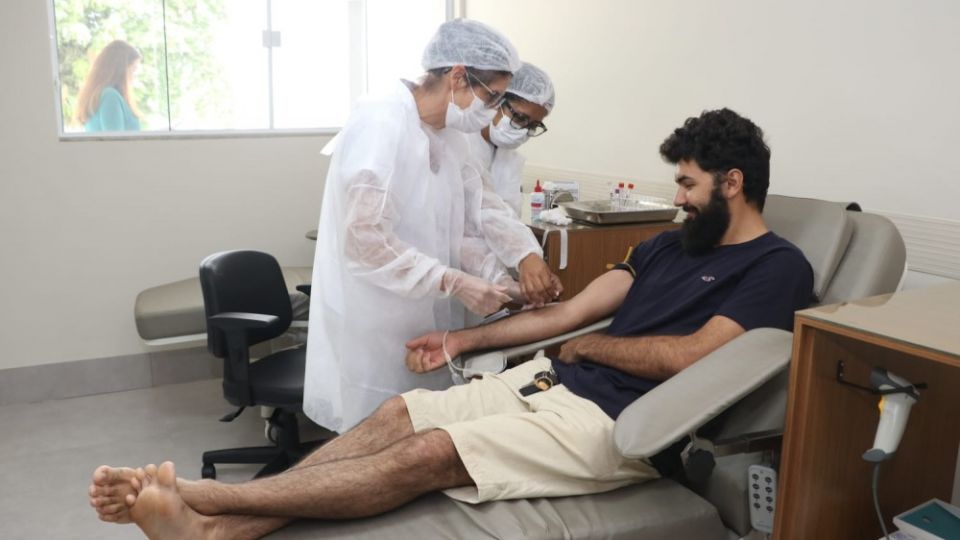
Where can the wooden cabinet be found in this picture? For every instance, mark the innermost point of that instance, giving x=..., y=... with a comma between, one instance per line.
x=591, y=249
x=824, y=481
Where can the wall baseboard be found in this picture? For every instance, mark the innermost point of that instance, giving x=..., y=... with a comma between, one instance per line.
x=30, y=384
x=933, y=244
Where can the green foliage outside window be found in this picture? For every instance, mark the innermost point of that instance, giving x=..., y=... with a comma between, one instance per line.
x=175, y=37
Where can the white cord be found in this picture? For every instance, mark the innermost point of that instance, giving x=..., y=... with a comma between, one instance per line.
x=876, y=502
x=456, y=370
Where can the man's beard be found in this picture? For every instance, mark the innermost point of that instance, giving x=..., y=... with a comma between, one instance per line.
x=700, y=234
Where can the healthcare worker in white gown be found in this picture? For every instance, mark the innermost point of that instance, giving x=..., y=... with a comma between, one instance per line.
x=530, y=98
x=406, y=228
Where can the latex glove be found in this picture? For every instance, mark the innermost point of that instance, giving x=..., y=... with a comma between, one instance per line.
x=538, y=284
x=478, y=295
x=513, y=288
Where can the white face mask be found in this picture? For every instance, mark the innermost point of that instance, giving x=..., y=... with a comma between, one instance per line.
x=470, y=120
x=504, y=135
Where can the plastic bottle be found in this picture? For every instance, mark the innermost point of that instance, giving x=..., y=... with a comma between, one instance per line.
x=536, y=202
x=621, y=196
x=630, y=201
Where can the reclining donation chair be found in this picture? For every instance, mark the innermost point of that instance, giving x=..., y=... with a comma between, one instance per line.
x=246, y=302
x=738, y=390
x=171, y=315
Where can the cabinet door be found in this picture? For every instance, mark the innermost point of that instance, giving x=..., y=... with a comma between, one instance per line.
x=592, y=251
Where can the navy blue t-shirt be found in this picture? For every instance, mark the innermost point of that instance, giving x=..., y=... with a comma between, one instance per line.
x=758, y=284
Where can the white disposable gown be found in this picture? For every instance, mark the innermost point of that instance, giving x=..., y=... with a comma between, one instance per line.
x=403, y=202
x=505, y=168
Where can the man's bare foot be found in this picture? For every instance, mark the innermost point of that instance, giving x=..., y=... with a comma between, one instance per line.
x=160, y=512
x=113, y=491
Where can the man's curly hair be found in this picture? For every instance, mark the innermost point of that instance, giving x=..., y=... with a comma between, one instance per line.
x=719, y=141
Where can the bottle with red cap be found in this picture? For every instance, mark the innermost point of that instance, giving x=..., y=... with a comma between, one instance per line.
x=536, y=202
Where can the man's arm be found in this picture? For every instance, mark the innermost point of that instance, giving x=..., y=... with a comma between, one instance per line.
x=653, y=357
x=601, y=298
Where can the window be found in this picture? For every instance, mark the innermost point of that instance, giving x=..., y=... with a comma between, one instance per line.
x=224, y=66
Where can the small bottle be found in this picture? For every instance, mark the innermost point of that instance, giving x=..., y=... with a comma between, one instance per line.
x=621, y=196
x=630, y=202
x=536, y=202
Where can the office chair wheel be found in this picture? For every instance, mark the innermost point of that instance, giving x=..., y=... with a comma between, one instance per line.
x=208, y=471
x=271, y=431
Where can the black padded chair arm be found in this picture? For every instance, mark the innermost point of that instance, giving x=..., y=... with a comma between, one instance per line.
x=235, y=320
x=305, y=289
x=757, y=441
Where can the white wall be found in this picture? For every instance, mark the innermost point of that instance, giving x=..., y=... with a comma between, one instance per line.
x=85, y=226
x=859, y=98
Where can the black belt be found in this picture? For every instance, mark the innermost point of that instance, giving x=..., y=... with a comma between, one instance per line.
x=542, y=381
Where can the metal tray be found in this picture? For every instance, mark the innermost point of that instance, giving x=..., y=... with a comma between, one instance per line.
x=603, y=212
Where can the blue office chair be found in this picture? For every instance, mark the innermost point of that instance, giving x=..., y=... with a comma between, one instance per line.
x=246, y=302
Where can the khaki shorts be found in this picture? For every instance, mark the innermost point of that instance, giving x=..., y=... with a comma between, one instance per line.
x=549, y=444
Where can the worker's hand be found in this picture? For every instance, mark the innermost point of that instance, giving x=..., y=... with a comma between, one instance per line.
x=538, y=284
x=575, y=349
x=478, y=295
x=513, y=289
x=425, y=353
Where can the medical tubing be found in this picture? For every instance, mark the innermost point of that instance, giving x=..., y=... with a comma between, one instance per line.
x=446, y=356
x=876, y=502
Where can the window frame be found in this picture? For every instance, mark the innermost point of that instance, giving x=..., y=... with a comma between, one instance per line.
x=453, y=8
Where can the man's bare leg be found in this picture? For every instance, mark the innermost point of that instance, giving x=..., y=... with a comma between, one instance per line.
x=387, y=425
x=353, y=487
x=114, y=489
x=345, y=488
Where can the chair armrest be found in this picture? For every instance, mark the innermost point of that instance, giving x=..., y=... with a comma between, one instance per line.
x=235, y=320
x=520, y=350
x=691, y=398
x=496, y=361
x=305, y=289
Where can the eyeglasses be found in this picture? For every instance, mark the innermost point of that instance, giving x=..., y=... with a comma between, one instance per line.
x=522, y=121
x=495, y=99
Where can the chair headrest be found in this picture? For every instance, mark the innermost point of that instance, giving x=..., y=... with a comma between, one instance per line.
x=821, y=229
x=873, y=262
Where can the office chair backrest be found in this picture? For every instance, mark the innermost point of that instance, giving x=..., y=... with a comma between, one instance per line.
x=248, y=282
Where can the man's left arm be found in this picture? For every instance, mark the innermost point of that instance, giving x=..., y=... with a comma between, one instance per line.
x=767, y=296
x=652, y=357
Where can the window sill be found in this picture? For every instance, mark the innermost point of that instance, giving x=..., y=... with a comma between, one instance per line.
x=198, y=134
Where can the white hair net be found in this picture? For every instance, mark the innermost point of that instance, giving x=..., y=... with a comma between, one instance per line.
x=472, y=44
x=534, y=85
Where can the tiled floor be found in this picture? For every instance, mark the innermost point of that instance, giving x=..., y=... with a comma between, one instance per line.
x=48, y=451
